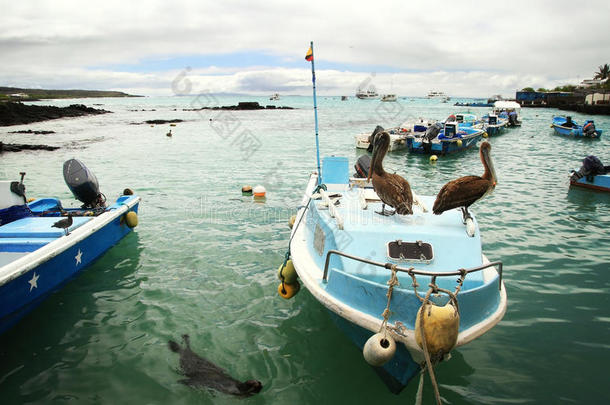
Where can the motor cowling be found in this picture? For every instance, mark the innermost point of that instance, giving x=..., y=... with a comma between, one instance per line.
x=83, y=184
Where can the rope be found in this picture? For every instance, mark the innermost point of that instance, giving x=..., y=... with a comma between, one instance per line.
x=392, y=282
x=434, y=289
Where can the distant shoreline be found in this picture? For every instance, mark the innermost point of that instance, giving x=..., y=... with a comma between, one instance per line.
x=20, y=94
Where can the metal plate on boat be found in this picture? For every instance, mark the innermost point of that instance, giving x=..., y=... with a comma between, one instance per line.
x=417, y=251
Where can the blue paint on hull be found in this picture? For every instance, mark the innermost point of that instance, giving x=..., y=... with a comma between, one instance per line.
x=20, y=295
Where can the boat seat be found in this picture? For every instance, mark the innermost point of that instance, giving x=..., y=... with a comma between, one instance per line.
x=335, y=170
x=36, y=227
x=41, y=205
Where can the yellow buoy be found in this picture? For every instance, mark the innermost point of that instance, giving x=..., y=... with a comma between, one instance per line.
x=459, y=143
x=288, y=291
x=291, y=221
x=440, y=329
x=131, y=219
x=485, y=135
x=379, y=349
x=287, y=273
x=433, y=158
x=31, y=199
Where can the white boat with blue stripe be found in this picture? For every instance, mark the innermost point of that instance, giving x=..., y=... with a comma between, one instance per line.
x=345, y=254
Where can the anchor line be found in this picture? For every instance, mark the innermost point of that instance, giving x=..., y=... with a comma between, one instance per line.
x=433, y=289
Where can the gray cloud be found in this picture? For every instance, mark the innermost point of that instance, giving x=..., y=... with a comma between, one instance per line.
x=463, y=48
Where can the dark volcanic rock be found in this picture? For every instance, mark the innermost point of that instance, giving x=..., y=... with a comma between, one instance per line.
x=29, y=131
x=19, y=113
x=162, y=121
x=242, y=105
x=17, y=147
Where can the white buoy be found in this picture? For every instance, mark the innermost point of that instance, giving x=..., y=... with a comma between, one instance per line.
x=379, y=349
x=259, y=191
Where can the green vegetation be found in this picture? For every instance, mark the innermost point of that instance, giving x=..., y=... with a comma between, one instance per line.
x=18, y=94
x=530, y=89
x=603, y=73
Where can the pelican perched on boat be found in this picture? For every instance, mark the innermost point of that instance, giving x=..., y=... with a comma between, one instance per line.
x=392, y=189
x=463, y=192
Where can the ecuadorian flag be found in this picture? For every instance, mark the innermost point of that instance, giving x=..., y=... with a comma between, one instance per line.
x=309, y=55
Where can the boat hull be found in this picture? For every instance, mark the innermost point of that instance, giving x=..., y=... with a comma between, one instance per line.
x=442, y=147
x=356, y=292
x=27, y=281
x=601, y=182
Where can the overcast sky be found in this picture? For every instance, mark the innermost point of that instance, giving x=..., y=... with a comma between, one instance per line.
x=408, y=47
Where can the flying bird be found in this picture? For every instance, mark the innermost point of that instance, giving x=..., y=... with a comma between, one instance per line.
x=392, y=189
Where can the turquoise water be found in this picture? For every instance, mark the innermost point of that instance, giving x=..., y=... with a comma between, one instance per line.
x=203, y=260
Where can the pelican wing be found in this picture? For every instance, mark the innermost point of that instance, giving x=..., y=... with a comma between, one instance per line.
x=461, y=192
x=394, y=191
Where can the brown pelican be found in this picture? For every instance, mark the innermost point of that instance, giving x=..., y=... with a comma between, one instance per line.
x=463, y=192
x=64, y=223
x=392, y=189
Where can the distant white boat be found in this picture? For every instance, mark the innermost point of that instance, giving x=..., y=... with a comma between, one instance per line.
x=371, y=93
x=389, y=97
x=437, y=94
x=275, y=96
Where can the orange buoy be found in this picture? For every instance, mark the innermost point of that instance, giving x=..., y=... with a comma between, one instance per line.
x=288, y=291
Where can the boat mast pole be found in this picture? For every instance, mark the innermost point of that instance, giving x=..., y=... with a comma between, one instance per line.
x=315, y=111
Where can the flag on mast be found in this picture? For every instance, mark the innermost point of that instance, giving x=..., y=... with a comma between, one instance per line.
x=309, y=55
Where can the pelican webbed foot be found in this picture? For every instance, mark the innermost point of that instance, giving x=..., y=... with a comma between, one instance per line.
x=384, y=212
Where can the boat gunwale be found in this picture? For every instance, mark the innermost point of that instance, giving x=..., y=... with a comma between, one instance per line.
x=302, y=260
x=33, y=259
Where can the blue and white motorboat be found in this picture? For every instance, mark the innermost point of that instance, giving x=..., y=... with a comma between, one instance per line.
x=345, y=254
x=508, y=110
x=592, y=175
x=452, y=138
x=494, y=125
x=567, y=127
x=466, y=120
x=43, y=244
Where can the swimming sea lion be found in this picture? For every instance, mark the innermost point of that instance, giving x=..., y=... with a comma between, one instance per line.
x=203, y=373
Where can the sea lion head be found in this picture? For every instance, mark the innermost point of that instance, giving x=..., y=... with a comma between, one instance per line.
x=250, y=387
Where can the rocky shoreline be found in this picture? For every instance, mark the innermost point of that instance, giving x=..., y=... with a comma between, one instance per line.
x=12, y=113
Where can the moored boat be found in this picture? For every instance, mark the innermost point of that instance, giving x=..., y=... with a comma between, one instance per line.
x=592, y=175
x=509, y=110
x=567, y=127
x=345, y=254
x=389, y=97
x=444, y=139
x=42, y=244
x=494, y=125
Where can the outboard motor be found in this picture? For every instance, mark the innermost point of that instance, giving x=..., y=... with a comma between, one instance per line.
x=591, y=166
x=589, y=129
x=377, y=130
x=493, y=119
x=363, y=166
x=83, y=184
x=432, y=132
x=13, y=204
x=512, y=119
